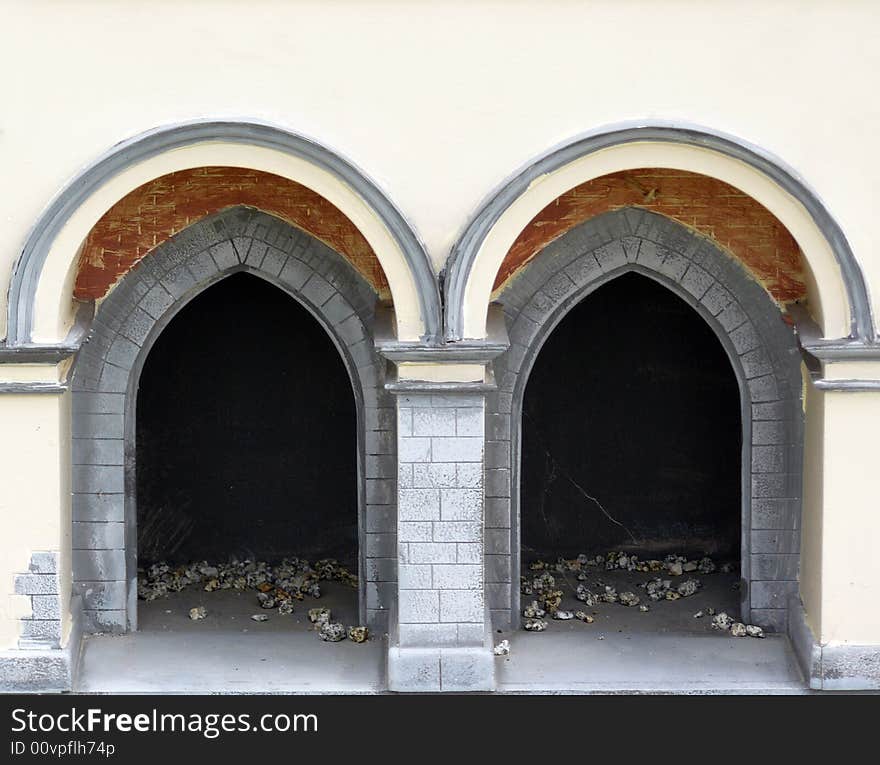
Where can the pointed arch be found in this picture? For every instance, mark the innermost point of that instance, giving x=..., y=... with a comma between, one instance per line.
x=762, y=351
x=107, y=368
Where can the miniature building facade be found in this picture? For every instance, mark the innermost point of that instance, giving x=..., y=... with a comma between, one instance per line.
x=436, y=256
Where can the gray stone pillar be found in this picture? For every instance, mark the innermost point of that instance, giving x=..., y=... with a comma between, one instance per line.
x=440, y=639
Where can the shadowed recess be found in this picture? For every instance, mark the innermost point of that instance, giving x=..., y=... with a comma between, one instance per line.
x=631, y=411
x=246, y=433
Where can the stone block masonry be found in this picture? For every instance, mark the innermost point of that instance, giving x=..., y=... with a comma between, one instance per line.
x=42, y=629
x=441, y=617
x=127, y=322
x=763, y=354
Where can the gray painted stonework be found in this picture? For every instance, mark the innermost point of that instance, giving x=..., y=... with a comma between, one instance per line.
x=40, y=663
x=105, y=378
x=44, y=669
x=42, y=629
x=440, y=640
x=832, y=666
x=764, y=357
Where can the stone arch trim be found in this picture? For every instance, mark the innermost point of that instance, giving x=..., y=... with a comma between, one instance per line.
x=465, y=252
x=763, y=355
x=151, y=144
x=107, y=368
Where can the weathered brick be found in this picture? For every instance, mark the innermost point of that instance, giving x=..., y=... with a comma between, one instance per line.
x=415, y=577
x=461, y=606
x=456, y=449
x=461, y=504
x=418, y=504
x=435, y=475
x=433, y=422
x=457, y=531
x=419, y=606
x=431, y=552
x=458, y=576
x=415, y=531
x=469, y=475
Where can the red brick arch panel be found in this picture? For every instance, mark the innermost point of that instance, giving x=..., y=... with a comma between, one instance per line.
x=733, y=220
x=156, y=211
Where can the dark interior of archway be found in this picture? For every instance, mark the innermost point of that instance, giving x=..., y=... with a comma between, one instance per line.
x=246, y=434
x=632, y=401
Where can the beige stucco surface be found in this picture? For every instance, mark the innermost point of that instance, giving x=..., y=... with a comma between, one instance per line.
x=850, y=519
x=34, y=495
x=439, y=102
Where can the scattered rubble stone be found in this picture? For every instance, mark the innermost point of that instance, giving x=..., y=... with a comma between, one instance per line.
x=293, y=578
x=657, y=588
x=722, y=621
x=199, y=612
x=502, y=649
x=543, y=582
x=260, y=618
x=358, y=634
x=583, y=616
x=332, y=632
x=609, y=595
x=285, y=608
x=585, y=596
x=563, y=616
x=738, y=629
x=319, y=616
x=551, y=600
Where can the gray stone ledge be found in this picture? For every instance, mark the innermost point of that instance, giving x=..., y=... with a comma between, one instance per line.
x=41, y=670
x=832, y=666
x=438, y=668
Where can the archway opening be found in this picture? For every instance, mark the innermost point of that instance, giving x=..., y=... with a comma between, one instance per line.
x=631, y=446
x=245, y=464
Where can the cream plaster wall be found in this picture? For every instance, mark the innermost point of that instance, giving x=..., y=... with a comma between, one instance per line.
x=440, y=101
x=850, y=518
x=34, y=495
x=812, y=516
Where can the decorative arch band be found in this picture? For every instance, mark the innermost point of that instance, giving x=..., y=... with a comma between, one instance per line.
x=465, y=252
x=26, y=275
